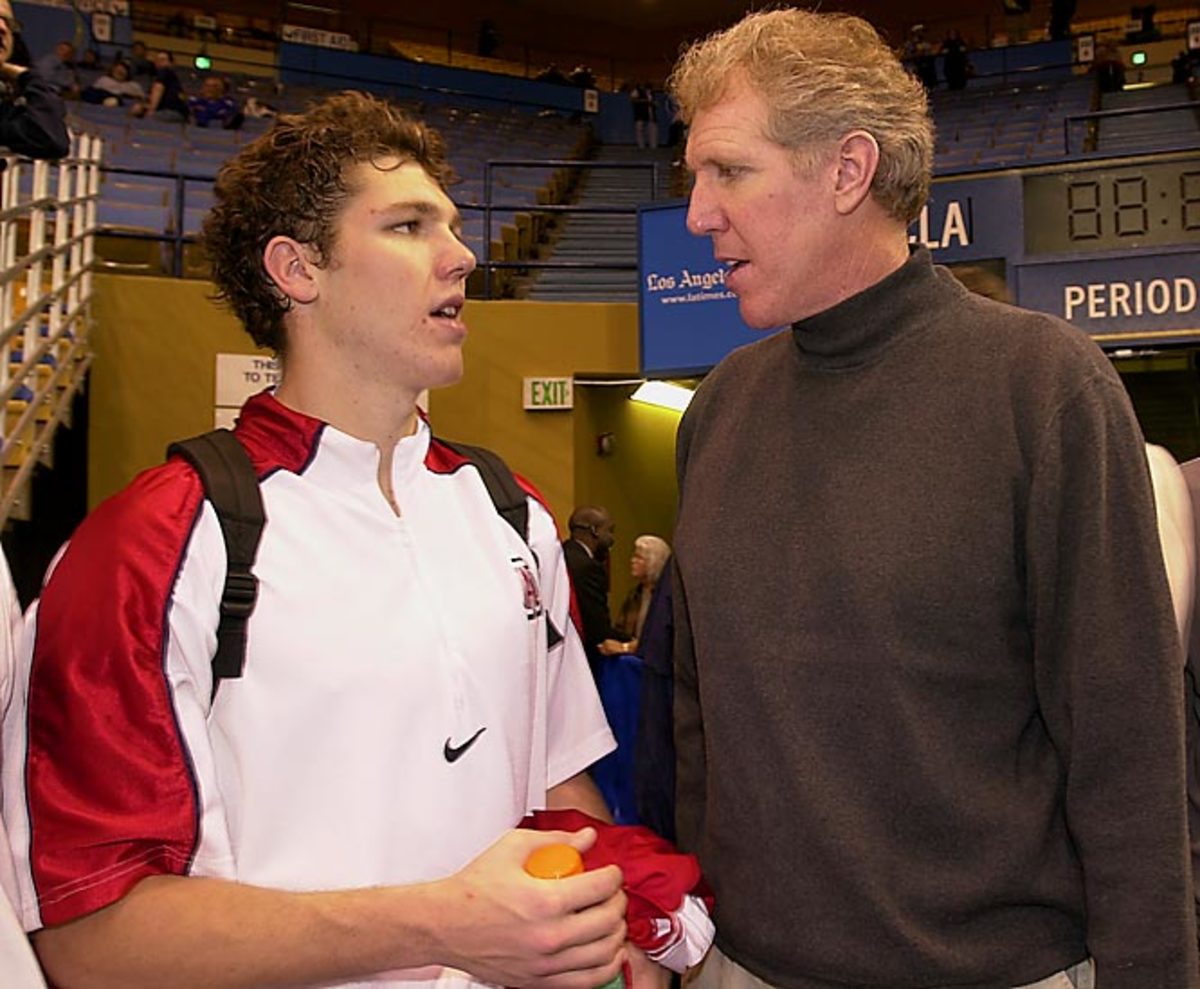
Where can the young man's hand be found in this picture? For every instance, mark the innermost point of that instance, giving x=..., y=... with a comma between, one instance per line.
x=504, y=926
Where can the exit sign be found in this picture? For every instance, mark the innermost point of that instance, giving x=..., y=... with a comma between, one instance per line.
x=548, y=393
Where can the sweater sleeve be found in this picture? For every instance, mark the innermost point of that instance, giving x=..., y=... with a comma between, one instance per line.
x=1108, y=670
x=32, y=123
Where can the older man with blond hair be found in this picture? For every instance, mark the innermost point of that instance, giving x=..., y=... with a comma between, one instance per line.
x=928, y=700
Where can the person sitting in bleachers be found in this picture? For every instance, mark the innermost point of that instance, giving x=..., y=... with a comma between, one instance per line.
x=58, y=69
x=139, y=63
x=214, y=106
x=257, y=109
x=115, y=87
x=166, y=92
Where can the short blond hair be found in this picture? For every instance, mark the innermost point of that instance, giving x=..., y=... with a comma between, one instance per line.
x=822, y=76
x=654, y=551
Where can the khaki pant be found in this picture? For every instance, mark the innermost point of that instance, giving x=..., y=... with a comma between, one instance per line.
x=720, y=972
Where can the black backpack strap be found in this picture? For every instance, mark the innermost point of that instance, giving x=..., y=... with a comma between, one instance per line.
x=509, y=498
x=506, y=494
x=231, y=484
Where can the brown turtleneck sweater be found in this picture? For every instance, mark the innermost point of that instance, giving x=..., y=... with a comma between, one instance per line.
x=929, y=706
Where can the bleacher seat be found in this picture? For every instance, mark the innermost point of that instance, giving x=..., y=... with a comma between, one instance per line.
x=474, y=138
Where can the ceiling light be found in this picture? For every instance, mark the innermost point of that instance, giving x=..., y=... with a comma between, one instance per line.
x=663, y=394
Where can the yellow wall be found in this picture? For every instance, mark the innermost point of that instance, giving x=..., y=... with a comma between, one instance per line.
x=511, y=340
x=154, y=375
x=153, y=381
x=636, y=481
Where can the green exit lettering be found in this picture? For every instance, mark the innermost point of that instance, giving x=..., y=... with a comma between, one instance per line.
x=552, y=392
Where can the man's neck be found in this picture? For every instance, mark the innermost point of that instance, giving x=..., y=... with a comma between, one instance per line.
x=356, y=404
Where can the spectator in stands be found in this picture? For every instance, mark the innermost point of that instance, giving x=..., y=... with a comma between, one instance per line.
x=256, y=109
x=214, y=106
x=1109, y=69
x=583, y=77
x=920, y=57
x=552, y=73
x=1061, y=12
x=940, y=667
x=1184, y=66
x=31, y=113
x=489, y=38
x=139, y=63
x=956, y=66
x=166, y=92
x=20, y=50
x=645, y=115
x=115, y=87
x=257, y=835
x=58, y=69
x=89, y=60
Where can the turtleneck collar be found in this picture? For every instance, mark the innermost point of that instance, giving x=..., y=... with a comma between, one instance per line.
x=858, y=330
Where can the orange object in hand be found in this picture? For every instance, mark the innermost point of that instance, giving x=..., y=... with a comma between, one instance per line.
x=558, y=861
x=554, y=862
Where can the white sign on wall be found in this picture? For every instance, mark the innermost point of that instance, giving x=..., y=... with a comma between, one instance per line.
x=1085, y=47
x=102, y=26
x=1193, y=35
x=315, y=36
x=238, y=377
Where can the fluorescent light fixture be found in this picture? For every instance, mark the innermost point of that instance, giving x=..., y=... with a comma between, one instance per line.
x=663, y=394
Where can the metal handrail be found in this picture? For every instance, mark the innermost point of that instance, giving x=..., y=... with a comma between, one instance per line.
x=488, y=265
x=1132, y=111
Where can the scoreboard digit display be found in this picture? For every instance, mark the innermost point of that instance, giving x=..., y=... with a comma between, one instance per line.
x=1156, y=204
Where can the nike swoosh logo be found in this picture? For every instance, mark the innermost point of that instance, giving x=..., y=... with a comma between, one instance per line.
x=454, y=752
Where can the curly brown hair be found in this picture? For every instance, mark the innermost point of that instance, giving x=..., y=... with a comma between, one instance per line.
x=292, y=182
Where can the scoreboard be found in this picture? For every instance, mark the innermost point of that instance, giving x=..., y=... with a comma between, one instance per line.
x=1111, y=246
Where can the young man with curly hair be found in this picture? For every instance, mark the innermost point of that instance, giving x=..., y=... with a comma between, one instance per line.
x=341, y=814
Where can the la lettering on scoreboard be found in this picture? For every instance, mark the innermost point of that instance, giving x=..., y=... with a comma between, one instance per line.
x=1111, y=246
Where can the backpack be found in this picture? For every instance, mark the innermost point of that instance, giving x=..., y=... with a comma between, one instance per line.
x=231, y=484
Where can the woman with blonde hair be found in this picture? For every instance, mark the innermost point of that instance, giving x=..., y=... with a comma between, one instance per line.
x=650, y=555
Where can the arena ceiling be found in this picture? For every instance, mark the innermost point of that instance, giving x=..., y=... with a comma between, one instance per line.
x=690, y=17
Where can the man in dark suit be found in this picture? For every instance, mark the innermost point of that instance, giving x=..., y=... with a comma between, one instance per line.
x=586, y=550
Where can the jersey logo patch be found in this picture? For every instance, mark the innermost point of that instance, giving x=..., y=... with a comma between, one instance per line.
x=454, y=752
x=529, y=585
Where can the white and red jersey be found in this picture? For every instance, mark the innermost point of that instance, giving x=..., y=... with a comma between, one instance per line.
x=399, y=707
